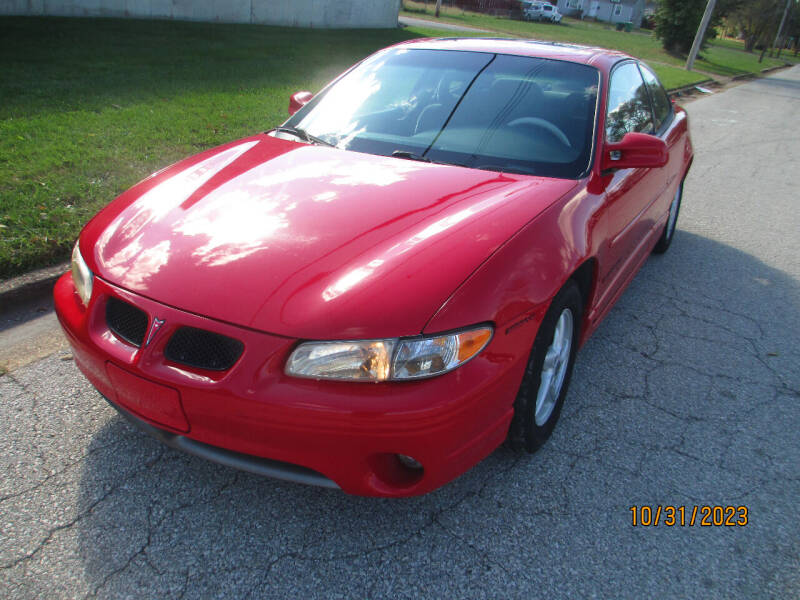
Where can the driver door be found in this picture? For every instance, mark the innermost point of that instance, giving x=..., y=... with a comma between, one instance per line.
x=632, y=194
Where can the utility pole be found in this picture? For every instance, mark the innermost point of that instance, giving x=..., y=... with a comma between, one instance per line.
x=701, y=31
x=780, y=28
x=439, y=6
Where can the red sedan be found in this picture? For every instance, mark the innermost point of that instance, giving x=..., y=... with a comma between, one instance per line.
x=378, y=293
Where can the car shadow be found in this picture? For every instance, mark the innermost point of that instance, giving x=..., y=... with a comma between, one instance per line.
x=661, y=406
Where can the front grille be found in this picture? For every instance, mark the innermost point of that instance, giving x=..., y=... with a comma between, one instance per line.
x=126, y=321
x=203, y=349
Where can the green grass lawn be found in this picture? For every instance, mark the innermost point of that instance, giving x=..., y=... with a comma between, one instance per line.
x=723, y=59
x=729, y=43
x=739, y=45
x=88, y=107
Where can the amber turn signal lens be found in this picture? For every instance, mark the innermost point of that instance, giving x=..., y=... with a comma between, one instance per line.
x=472, y=342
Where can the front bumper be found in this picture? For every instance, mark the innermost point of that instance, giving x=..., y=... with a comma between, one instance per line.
x=256, y=418
x=243, y=462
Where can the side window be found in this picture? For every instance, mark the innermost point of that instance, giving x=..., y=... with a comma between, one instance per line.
x=628, y=104
x=661, y=104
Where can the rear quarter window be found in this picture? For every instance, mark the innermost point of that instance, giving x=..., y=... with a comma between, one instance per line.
x=662, y=107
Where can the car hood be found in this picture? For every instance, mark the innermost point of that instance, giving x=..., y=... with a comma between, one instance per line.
x=309, y=241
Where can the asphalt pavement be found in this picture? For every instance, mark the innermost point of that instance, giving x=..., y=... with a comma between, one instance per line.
x=688, y=395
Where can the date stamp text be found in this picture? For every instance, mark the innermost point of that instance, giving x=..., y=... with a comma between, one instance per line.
x=688, y=516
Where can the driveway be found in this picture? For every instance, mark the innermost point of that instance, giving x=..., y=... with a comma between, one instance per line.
x=689, y=394
x=435, y=24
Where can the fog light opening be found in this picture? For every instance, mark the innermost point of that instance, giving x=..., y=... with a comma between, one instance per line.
x=409, y=462
x=393, y=472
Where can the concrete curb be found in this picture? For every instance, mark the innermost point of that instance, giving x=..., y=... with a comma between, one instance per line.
x=778, y=68
x=760, y=73
x=691, y=86
x=723, y=82
x=29, y=286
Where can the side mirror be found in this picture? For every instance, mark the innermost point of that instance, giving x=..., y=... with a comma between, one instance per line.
x=635, y=151
x=298, y=100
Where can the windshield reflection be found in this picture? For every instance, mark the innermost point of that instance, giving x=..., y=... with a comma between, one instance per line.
x=481, y=110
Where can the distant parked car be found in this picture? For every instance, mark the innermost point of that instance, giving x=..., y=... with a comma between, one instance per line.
x=542, y=11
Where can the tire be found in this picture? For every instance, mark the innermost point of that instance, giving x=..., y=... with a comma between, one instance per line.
x=662, y=245
x=536, y=408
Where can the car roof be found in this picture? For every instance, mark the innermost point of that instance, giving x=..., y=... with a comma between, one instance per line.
x=601, y=58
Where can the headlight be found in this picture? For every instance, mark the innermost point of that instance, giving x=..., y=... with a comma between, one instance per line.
x=391, y=359
x=81, y=276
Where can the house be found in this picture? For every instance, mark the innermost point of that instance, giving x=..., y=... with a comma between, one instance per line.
x=611, y=11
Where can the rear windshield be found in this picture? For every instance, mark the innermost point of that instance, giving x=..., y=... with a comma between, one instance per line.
x=480, y=110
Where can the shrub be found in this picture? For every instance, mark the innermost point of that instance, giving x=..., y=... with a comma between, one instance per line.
x=677, y=22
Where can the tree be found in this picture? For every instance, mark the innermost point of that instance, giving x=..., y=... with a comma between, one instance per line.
x=755, y=20
x=677, y=22
x=793, y=27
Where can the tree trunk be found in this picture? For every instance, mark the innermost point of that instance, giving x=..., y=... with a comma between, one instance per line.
x=438, y=7
x=779, y=34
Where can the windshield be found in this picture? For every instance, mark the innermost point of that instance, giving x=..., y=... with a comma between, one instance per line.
x=480, y=110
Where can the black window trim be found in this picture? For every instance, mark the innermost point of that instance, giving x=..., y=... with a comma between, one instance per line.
x=666, y=123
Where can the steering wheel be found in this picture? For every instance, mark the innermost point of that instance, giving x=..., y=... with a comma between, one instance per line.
x=542, y=124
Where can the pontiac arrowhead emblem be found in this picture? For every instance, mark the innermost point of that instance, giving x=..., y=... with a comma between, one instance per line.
x=157, y=323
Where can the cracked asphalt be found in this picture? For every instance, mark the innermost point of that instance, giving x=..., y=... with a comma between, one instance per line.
x=689, y=394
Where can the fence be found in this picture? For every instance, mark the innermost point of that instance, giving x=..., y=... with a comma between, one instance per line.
x=296, y=13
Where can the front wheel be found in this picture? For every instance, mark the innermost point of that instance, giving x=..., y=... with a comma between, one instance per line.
x=547, y=376
x=669, y=227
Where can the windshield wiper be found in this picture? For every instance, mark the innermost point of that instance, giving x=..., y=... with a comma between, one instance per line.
x=506, y=169
x=410, y=156
x=304, y=135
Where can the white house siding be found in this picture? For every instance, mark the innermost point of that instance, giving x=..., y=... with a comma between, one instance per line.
x=564, y=8
x=605, y=11
x=626, y=14
x=295, y=13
